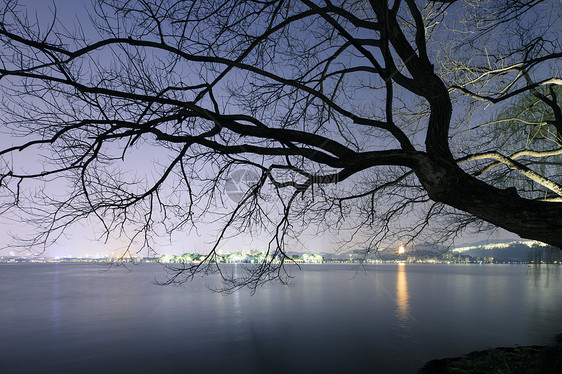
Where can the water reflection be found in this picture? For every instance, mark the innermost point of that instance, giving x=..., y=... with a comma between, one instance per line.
x=543, y=276
x=55, y=312
x=238, y=315
x=402, y=296
x=56, y=319
x=326, y=318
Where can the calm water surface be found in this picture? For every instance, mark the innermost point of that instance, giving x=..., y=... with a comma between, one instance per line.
x=76, y=318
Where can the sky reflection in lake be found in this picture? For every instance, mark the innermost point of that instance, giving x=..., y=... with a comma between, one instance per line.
x=385, y=318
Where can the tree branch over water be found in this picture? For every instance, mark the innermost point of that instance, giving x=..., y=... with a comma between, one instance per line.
x=354, y=117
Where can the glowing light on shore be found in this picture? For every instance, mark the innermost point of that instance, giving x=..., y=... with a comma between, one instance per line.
x=401, y=249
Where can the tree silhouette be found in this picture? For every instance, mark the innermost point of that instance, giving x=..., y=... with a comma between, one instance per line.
x=383, y=119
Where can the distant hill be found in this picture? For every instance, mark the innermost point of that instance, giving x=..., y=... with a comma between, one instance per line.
x=500, y=251
x=515, y=251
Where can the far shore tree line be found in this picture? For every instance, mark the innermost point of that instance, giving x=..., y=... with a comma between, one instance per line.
x=531, y=252
x=237, y=257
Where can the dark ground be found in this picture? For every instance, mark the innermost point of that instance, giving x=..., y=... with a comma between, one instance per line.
x=513, y=360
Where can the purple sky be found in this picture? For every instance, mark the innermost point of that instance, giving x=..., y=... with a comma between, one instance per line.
x=80, y=240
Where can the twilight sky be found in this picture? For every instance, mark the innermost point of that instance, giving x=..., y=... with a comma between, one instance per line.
x=80, y=239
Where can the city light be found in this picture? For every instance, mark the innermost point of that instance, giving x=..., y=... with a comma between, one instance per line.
x=401, y=249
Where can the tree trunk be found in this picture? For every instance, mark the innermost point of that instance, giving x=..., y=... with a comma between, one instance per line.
x=447, y=183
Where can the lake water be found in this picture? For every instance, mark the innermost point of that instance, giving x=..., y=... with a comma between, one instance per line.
x=77, y=318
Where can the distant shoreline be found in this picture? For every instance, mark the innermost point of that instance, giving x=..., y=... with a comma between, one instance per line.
x=109, y=261
x=514, y=252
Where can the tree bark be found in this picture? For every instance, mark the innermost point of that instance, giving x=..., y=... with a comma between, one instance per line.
x=530, y=219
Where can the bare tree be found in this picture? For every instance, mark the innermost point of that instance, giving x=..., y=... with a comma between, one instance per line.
x=359, y=116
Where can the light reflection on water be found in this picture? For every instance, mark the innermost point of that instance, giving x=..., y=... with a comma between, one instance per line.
x=543, y=276
x=238, y=327
x=402, y=297
x=56, y=321
x=389, y=318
